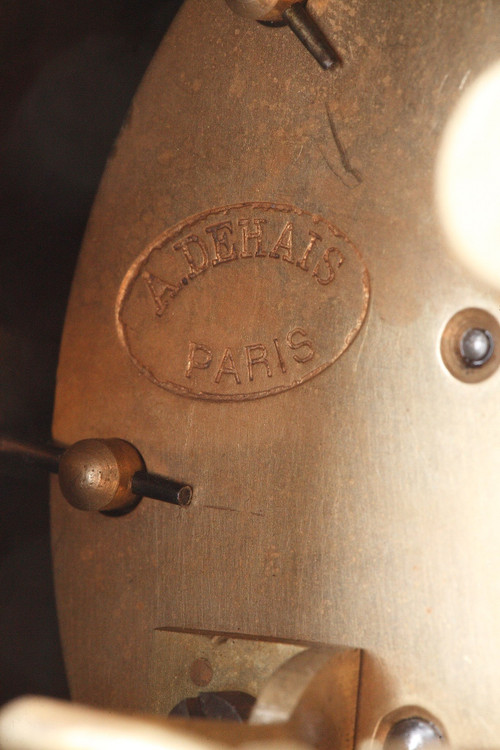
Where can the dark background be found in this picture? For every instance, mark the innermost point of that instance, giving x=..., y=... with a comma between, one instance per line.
x=68, y=72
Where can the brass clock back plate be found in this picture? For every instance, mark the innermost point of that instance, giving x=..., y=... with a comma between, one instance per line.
x=258, y=307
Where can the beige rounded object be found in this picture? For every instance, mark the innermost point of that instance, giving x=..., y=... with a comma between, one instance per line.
x=468, y=178
x=33, y=723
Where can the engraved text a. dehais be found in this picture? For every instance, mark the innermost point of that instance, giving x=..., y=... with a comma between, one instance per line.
x=242, y=302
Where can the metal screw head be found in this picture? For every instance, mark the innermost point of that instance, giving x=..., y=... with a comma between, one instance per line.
x=413, y=734
x=476, y=346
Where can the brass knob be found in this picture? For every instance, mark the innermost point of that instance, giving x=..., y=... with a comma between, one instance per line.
x=97, y=474
x=260, y=10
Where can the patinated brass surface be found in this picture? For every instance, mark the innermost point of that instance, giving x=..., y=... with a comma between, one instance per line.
x=360, y=507
x=302, y=286
x=186, y=662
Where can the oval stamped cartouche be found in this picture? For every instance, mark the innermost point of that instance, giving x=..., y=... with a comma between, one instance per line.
x=242, y=302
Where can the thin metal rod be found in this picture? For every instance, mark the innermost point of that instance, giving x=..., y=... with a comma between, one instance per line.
x=161, y=488
x=311, y=36
x=46, y=457
x=144, y=484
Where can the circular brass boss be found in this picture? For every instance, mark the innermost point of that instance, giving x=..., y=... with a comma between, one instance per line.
x=454, y=345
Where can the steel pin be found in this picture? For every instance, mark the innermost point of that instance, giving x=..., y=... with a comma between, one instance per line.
x=96, y=474
x=295, y=15
x=311, y=36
